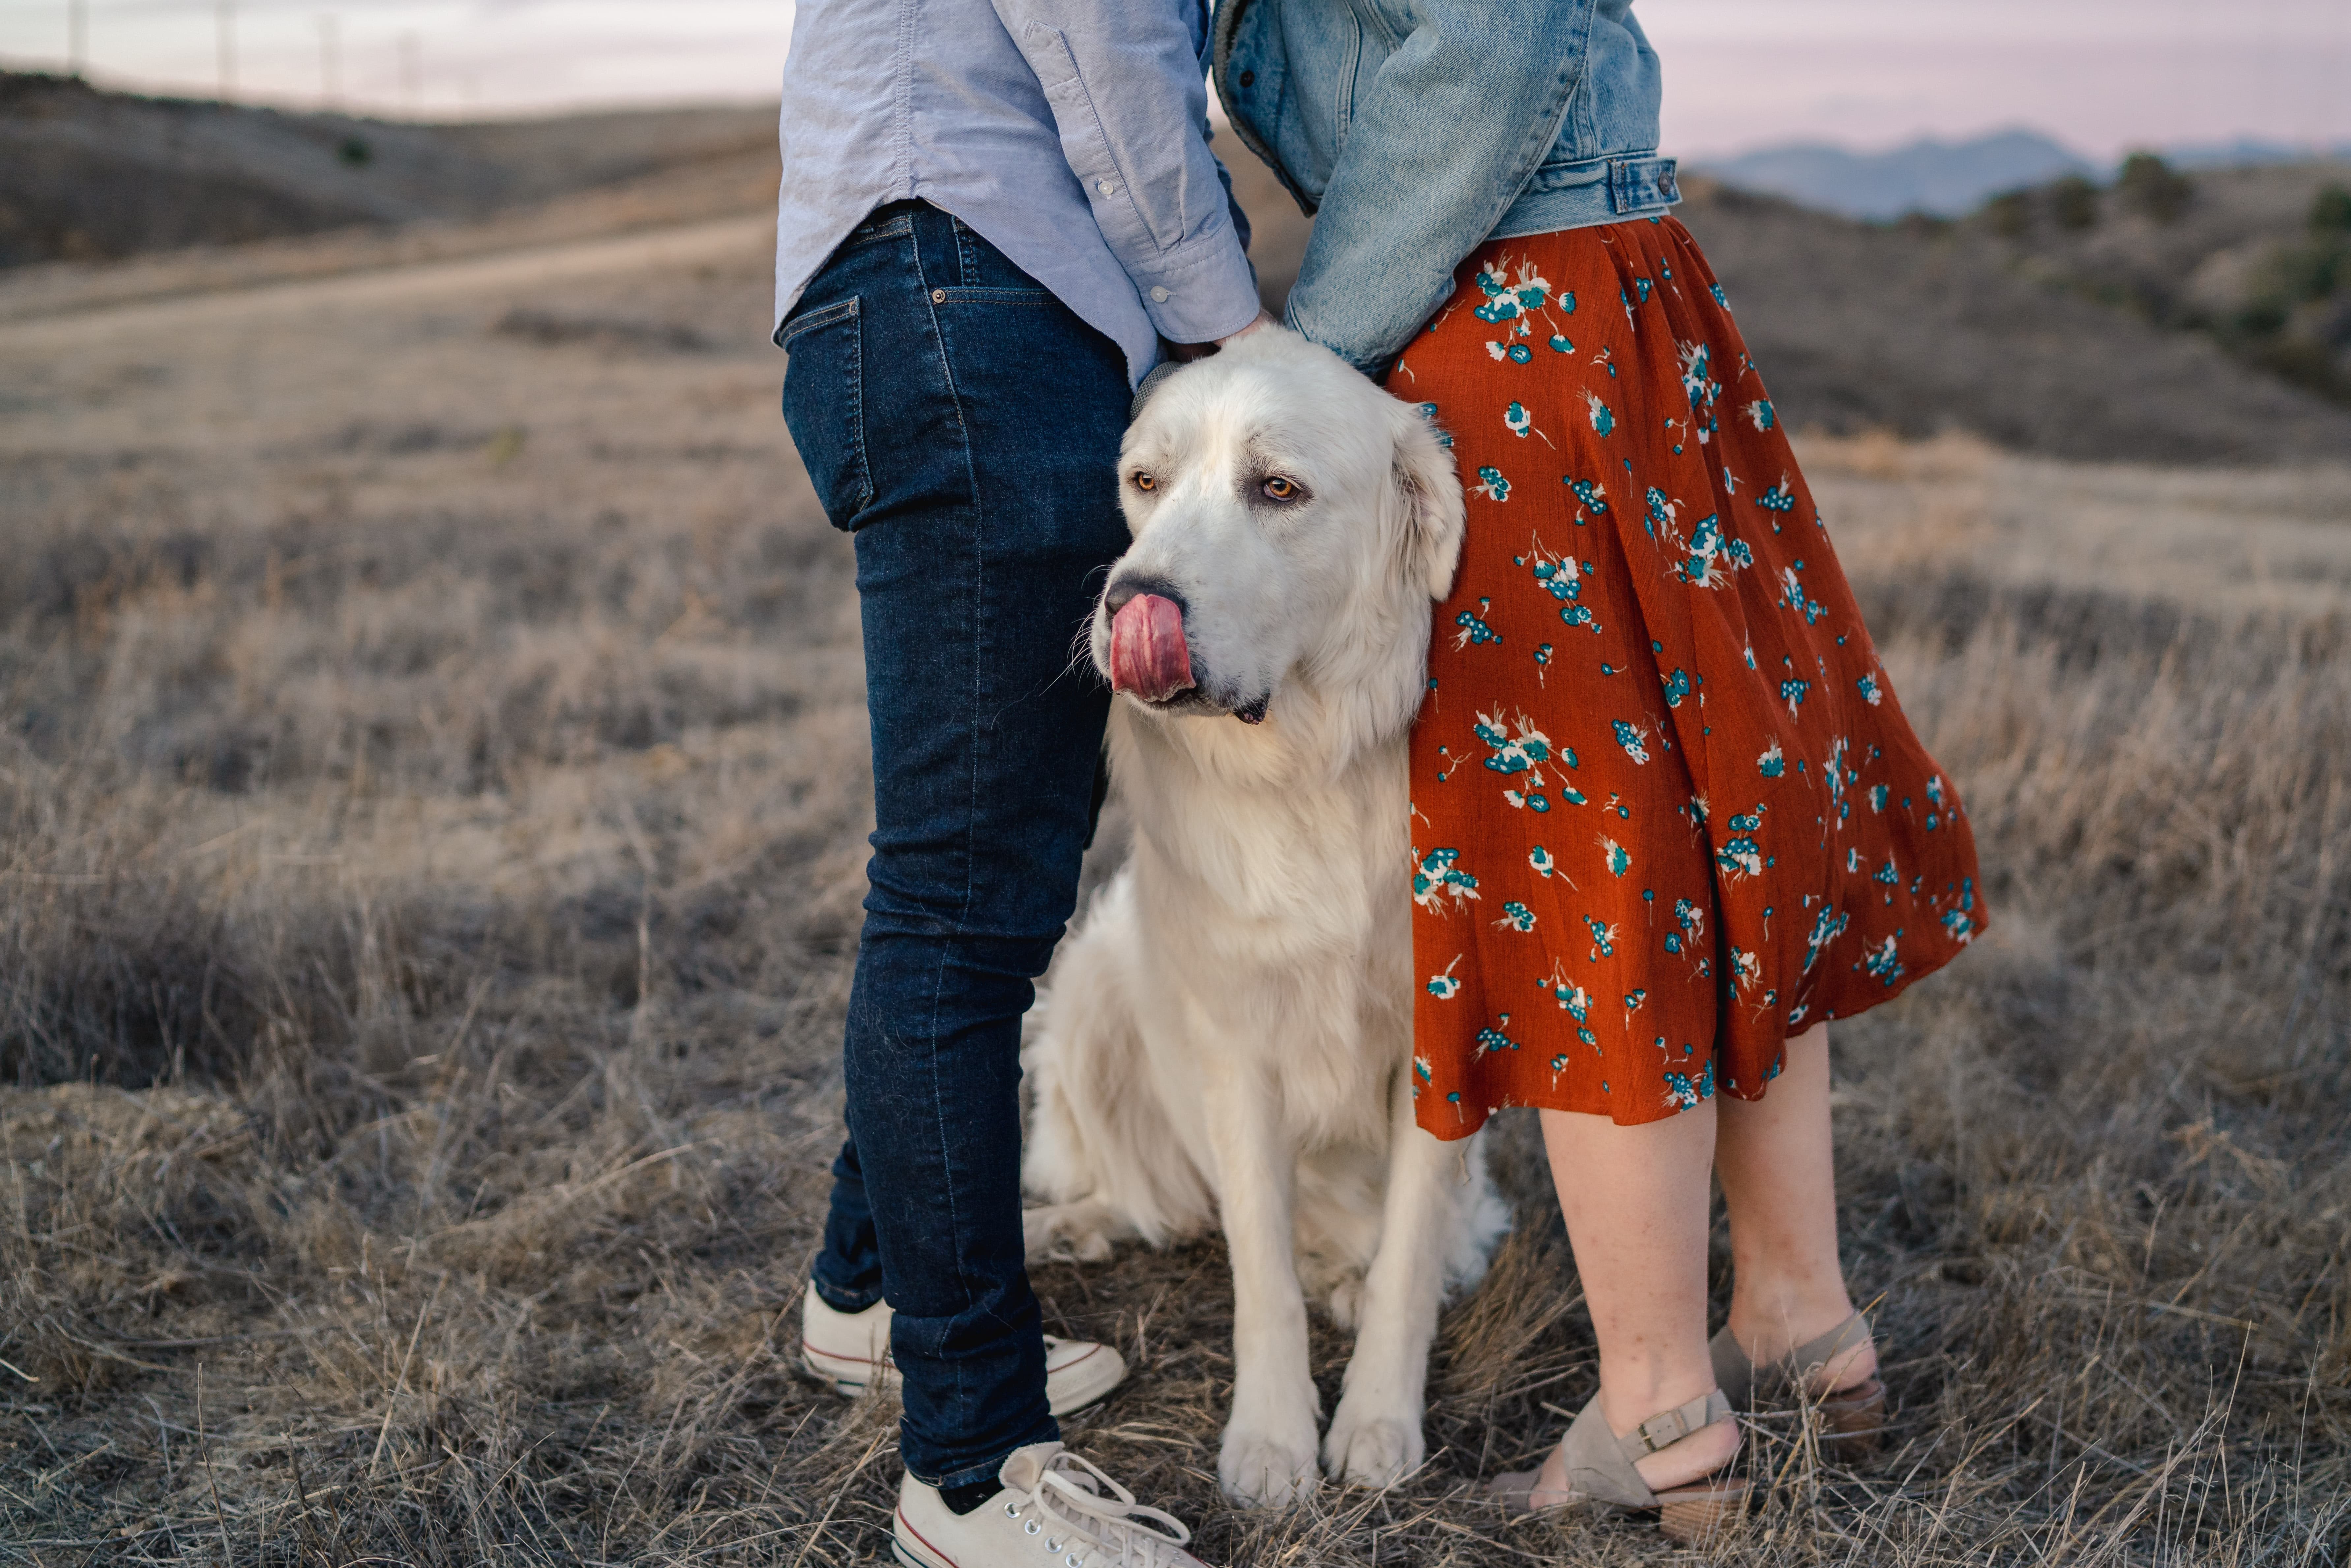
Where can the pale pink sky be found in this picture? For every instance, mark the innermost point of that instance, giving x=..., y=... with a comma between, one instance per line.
x=2103, y=75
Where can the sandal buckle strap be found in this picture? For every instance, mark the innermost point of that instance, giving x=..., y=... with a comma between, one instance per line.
x=1670, y=1426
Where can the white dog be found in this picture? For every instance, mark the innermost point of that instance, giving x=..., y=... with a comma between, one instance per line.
x=1229, y=1033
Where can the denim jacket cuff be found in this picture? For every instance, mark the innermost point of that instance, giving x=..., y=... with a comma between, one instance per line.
x=1199, y=290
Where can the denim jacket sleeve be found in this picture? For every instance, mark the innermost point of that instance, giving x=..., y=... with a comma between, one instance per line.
x=1440, y=145
x=1127, y=83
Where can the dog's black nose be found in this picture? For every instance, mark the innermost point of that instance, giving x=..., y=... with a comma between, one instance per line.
x=1122, y=589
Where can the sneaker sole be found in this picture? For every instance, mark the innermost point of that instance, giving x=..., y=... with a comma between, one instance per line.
x=848, y=1374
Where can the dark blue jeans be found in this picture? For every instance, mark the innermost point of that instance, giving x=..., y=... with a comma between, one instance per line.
x=965, y=424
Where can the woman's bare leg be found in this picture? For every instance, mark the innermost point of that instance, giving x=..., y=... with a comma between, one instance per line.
x=1779, y=1181
x=1636, y=1203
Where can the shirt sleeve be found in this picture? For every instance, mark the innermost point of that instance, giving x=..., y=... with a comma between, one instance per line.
x=1441, y=142
x=1128, y=87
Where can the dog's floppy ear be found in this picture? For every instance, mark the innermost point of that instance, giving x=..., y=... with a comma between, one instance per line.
x=1429, y=492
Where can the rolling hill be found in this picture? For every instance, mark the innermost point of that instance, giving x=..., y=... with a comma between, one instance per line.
x=2068, y=319
x=89, y=175
x=1926, y=327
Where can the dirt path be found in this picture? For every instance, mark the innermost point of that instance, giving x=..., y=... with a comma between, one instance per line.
x=684, y=245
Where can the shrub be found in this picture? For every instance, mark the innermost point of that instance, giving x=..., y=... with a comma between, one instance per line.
x=2009, y=214
x=2074, y=202
x=2330, y=211
x=2150, y=185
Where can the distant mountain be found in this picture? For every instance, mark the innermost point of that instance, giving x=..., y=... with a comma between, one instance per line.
x=2245, y=152
x=1944, y=178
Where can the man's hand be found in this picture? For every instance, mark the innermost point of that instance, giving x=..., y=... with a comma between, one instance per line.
x=1186, y=352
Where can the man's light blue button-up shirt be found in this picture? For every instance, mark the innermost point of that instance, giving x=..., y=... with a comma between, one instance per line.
x=1073, y=137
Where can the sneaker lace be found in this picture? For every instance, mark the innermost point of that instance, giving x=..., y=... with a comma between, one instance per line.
x=1078, y=1507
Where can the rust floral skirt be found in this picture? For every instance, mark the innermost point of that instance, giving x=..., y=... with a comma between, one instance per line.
x=1666, y=811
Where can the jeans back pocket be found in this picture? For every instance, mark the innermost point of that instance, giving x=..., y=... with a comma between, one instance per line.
x=824, y=406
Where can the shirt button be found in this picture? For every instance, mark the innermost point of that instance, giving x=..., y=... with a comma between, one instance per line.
x=938, y=296
x=1107, y=187
x=1159, y=296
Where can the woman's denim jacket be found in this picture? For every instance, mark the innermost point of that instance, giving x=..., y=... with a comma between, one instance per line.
x=1418, y=129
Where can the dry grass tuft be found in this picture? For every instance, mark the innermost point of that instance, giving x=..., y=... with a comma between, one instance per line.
x=431, y=792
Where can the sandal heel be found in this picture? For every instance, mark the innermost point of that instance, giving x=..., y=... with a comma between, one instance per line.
x=1853, y=1422
x=1693, y=1520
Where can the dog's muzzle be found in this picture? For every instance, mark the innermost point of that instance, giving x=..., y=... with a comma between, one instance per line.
x=1148, y=656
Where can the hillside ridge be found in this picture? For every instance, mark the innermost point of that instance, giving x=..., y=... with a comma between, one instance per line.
x=92, y=175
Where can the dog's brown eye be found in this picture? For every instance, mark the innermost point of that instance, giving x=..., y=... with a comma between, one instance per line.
x=1281, y=489
x=1145, y=482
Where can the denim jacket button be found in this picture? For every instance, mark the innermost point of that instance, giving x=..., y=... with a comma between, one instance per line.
x=938, y=296
x=1249, y=79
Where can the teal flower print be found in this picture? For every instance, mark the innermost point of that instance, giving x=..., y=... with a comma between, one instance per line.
x=1559, y=577
x=1443, y=987
x=1521, y=748
x=1684, y=1094
x=1884, y=962
x=1604, y=938
x=1491, y=1037
x=1662, y=512
x=1575, y=1001
x=1792, y=597
x=1439, y=876
x=1474, y=627
x=1742, y=854
x=1827, y=926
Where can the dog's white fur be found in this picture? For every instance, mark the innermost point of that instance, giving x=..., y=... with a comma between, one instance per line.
x=1229, y=1032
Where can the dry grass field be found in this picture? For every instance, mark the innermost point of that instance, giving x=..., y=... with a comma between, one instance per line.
x=433, y=776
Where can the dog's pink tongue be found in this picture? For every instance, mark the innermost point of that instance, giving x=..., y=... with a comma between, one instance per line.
x=1147, y=655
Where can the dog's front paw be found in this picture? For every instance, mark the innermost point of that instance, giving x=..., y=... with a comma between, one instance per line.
x=1263, y=1469
x=1371, y=1450
x=1082, y=1233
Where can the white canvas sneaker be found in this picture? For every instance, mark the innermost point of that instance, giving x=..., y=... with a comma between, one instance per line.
x=852, y=1349
x=1056, y=1510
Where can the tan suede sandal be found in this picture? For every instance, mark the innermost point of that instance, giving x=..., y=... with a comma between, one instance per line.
x=1850, y=1421
x=1600, y=1473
